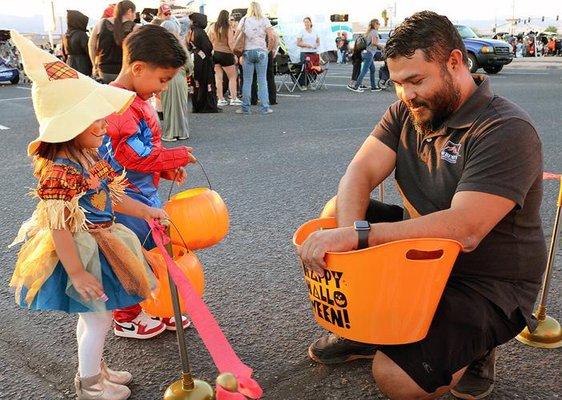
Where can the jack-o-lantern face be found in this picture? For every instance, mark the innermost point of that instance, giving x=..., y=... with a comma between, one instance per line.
x=340, y=299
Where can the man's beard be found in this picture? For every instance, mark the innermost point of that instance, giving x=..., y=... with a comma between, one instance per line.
x=441, y=105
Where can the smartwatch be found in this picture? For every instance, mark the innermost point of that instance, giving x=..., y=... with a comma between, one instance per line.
x=363, y=228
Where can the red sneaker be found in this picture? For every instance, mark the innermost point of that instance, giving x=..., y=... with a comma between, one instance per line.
x=171, y=322
x=142, y=327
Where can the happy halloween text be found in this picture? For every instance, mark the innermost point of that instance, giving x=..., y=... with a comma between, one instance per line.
x=328, y=304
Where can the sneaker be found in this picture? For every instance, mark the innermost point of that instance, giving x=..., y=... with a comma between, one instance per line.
x=222, y=103
x=268, y=111
x=354, y=89
x=240, y=111
x=478, y=379
x=142, y=327
x=332, y=349
x=235, y=102
x=171, y=322
x=376, y=89
x=303, y=88
x=363, y=87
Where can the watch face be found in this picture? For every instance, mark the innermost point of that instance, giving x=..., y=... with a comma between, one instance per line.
x=362, y=225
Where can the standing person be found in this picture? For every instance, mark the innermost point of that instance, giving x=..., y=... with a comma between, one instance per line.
x=105, y=45
x=174, y=100
x=256, y=28
x=204, y=92
x=221, y=37
x=308, y=42
x=270, y=75
x=368, y=55
x=133, y=146
x=75, y=42
x=356, y=60
x=338, y=45
x=469, y=167
x=75, y=259
x=344, y=47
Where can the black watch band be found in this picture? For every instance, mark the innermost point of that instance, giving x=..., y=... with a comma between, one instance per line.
x=363, y=228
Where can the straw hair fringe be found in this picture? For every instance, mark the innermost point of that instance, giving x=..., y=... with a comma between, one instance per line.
x=117, y=188
x=54, y=214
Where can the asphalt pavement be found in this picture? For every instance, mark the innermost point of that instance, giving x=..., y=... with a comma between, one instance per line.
x=274, y=173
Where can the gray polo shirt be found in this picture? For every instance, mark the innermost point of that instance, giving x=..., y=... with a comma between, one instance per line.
x=488, y=145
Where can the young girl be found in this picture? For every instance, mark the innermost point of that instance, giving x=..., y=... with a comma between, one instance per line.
x=75, y=258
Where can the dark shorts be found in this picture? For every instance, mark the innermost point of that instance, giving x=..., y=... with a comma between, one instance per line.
x=223, y=59
x=465, y=326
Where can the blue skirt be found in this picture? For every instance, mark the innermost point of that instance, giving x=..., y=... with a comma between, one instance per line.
x=52, y=294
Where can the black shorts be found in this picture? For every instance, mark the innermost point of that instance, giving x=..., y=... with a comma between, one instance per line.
x=223, y=59
x=465, y=326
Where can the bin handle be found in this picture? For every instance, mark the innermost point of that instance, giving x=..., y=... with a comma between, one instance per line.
x=176, y=175
x=424, y=255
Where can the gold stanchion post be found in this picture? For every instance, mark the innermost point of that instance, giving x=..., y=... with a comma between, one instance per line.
x=186, y=388
x=548, y=334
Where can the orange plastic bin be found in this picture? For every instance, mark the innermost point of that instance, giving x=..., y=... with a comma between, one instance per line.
x=384, y=294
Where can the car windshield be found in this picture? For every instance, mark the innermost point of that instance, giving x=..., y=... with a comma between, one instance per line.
x=466, y=32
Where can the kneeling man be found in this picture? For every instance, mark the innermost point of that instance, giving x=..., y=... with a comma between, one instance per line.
x=468, y=165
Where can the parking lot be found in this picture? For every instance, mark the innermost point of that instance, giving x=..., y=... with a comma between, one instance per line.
x=274, y=172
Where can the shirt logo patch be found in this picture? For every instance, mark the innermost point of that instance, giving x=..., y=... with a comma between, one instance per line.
x=450, y=152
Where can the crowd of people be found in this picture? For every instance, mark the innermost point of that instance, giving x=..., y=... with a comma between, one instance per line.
x=533, y=44
x=214, y=75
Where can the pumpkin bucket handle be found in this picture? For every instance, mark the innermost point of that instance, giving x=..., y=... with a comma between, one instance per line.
x=175, y=177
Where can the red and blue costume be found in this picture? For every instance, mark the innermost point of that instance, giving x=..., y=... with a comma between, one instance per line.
x=133, y=143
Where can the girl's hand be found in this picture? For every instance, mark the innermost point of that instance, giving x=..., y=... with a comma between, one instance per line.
x=156, y=213
x=87, y=286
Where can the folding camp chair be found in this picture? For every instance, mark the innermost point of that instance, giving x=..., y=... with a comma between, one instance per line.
x=315, y=72
x=287, y=73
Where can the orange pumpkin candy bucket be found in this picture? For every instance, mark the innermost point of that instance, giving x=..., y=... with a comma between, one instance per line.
x=199, y=217
x=384, y=294
x=188, y=263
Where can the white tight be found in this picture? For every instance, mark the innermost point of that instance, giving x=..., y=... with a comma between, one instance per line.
x=91, y=331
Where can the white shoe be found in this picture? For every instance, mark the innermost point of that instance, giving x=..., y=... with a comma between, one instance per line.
x=118, y=377
x=142, y=327
x=222, y=103
x=99, y=388
x=235, y=102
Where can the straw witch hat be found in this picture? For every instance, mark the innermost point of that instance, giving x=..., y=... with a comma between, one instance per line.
x=65, y=101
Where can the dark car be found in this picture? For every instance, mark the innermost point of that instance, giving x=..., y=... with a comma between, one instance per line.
x=489, y=54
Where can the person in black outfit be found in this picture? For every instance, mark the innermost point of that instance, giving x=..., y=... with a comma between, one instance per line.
x=204, y=92
x=105, y=44
x=356, y=61
x=75, y=42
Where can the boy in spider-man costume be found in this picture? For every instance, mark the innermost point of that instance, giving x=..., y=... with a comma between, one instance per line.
x=151, y=57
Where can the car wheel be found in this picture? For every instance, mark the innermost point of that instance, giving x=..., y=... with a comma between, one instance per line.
x=493, y=69
x=472, y=63
x=15, y=80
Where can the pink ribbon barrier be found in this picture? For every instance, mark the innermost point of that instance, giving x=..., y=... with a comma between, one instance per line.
x=210, y=332
x=550, y=175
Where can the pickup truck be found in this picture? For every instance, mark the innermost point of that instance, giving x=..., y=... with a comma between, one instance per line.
x=489, y=54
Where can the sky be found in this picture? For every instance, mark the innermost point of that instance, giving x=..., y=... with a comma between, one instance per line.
x=357, y=9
